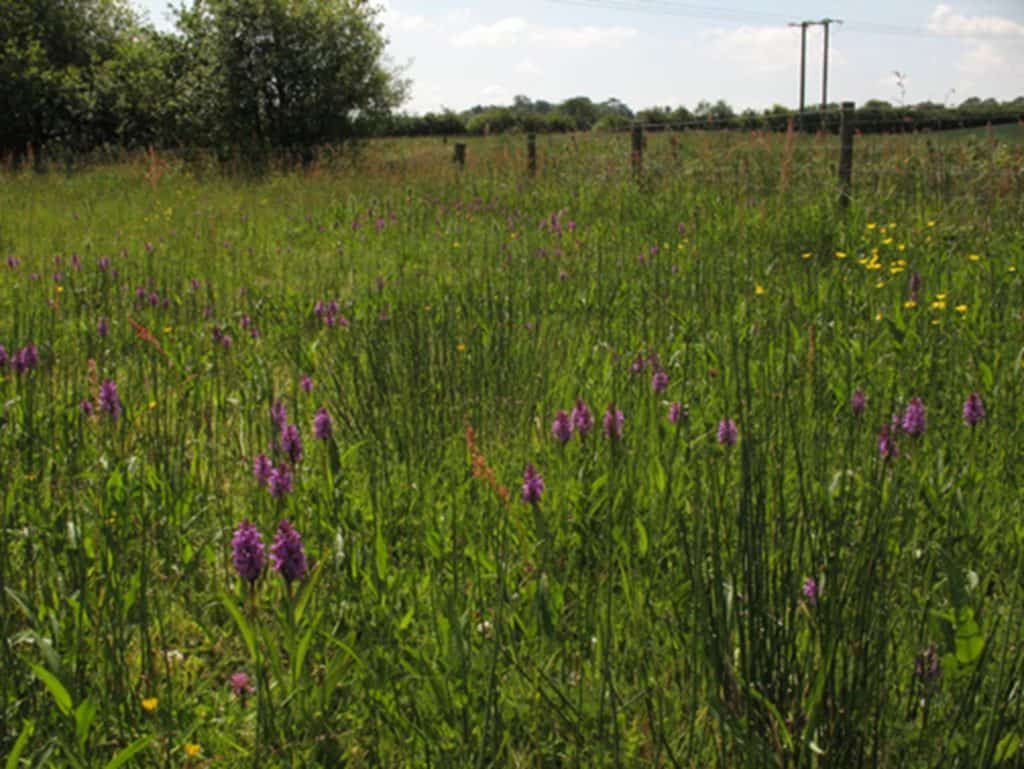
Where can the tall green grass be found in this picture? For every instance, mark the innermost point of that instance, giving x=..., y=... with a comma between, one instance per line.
x=650, y=609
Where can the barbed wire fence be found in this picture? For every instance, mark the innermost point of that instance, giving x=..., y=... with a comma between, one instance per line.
x=825, y=154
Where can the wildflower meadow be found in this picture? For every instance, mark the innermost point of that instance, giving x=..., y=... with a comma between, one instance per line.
x=388, y=462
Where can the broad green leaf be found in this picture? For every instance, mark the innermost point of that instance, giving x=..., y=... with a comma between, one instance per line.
x=243, y=624
x=19, y=744
x=306, y=593
x=60, y=694
x=125, y=755
x=381, y=554
x=85, y=714
x=969, y=640
x=1007, y=747
x=641, y=536
x=780, y=722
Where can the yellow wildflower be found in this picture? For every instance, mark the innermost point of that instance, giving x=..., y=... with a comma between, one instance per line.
x=192, y=750
x=880, y=284
x=961, y=308
x=974, y=257
x=840, y=254
x=460, y=347
x=871, y=225
x=939, y=304
x=759, y=289
x=807, y=254
x=931, y=222
x=149, y=704
x=910, y=304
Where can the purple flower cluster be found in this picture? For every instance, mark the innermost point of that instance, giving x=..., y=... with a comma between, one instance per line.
x=887, y=448
x=110, y=401
x=221, y=337
x=322, y=425
x=291, y=443
x=659, y=382
x=914, y=420
x=279, y=415
x=677, y=413
x=612, y=422
x=287, y=555
x=811, y=591
x=858, y=402
x=25, y=359
x=533, y=485
x=728, y=433
x=582, y=419
x=241, y=686
x=247, y=551
x=280, y=481
x=262, y=469
x=561, y=428
x=974, y=410
x=329, y=313
x=276, y=478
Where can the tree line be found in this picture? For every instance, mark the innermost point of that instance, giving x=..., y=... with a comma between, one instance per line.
x=582, y=114
x=248, y=77
x=236, y=75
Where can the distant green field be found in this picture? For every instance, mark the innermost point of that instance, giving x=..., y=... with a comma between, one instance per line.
x=682, y=467
x=1009, y=132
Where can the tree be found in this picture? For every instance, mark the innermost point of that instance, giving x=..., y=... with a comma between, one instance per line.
x=285, y=73
x=581, y=111
x=49, y=53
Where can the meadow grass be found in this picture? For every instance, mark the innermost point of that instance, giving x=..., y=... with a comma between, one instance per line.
x=840, y=586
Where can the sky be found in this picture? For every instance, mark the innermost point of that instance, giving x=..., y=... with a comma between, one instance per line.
x=677, y=52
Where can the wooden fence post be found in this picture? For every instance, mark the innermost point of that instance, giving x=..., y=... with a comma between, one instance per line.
x=846, y=154
x=460, y=155
x=531, y=153
x=638, y=149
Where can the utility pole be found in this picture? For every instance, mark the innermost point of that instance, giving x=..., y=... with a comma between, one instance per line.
x=803, y=58
x=824, y=68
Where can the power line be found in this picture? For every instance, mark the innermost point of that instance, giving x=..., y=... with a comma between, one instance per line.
x=738, y=15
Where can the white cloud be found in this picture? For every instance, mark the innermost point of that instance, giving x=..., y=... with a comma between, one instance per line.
x=502, y=34
x=496, y=94
x=768, y=49
x=394, y=19
x=514, y=31
x=529, y=67
x=946, y=21
x=983, y=59
x=581, y=37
